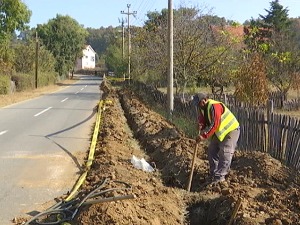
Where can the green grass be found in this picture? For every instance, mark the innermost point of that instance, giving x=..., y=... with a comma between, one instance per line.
x=187, y=125
x=204, y=89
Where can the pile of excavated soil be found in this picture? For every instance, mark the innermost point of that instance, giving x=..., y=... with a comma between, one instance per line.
x=268, y=192
x=154, y=203
x=258, y=190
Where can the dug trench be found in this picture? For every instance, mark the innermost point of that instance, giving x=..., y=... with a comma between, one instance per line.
x=267, y=190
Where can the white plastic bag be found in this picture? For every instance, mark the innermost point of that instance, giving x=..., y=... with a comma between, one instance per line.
x=141, y=164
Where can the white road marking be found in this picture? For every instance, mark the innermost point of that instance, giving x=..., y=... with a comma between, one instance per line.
x=42, y=111
x=3, y=132
x=80, y=90
x=64, y=100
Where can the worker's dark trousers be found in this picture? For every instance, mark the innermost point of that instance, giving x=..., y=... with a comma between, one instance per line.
x=220, y=154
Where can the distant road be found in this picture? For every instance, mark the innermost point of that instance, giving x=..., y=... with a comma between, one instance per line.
x=42, y=145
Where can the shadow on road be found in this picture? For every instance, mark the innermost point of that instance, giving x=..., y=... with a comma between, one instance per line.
x=66, y=129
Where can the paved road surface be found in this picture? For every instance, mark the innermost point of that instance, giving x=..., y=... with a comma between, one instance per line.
x=42, y=145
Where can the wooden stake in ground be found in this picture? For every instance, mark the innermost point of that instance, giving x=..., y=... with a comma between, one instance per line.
x=235, y=210
x=192, y=168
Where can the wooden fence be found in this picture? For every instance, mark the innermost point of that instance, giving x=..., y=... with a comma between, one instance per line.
x=293, y=104
x=276, y=134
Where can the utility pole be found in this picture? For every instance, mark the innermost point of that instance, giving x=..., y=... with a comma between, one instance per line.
x=170, y=96
x=129, y=41
x=123, y=39
x=123, y=42
x=36, y=58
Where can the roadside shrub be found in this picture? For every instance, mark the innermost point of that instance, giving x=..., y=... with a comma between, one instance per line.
x=27, y=81
x=5, y=68
x=23, y=81
x=4, y=84
x=46, y=78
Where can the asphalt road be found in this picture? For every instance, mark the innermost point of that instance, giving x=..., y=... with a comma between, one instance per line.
x=42, y=145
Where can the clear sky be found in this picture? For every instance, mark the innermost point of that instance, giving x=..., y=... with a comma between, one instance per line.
x=104, y=13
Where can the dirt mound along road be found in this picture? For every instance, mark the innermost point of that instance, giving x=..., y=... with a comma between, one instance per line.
x=153, y=204
x=268, y=190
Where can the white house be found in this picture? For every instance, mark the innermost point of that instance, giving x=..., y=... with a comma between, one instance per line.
x=88, y=59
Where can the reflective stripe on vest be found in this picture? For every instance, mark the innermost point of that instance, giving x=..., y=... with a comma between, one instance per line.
x=228, y=121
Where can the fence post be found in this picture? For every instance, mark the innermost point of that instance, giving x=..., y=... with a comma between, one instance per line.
x=225, y=99
x=270, y=108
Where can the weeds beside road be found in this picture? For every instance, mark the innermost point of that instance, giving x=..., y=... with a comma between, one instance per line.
x=16, y=97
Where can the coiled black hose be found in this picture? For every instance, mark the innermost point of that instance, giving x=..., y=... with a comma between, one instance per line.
x=66, y=211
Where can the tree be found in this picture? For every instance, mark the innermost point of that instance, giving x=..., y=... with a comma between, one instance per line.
x=295, y=30
x=283, y=65
x=65, y=39
x=277, y=19
x=272, y=36
x=114, y=60
x=251, y=82
x=25, y=55
x=101, y=38
x=14, y=15
x=6, y=56
x=197, y=47
x=148, y=55
x=283, y=56
x=261, y=33
x=256, y=37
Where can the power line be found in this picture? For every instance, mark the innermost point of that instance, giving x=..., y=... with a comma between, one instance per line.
x=144, y=7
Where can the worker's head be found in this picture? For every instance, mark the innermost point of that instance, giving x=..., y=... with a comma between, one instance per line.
x=200, y=100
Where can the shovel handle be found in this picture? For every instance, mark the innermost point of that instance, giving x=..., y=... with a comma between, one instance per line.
x=192, y=168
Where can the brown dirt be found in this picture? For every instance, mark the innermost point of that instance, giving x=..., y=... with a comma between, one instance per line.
x=269, y=191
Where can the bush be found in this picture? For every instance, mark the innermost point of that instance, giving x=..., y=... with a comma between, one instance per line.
x=4, y=84
x=23, y=81
x=46, y=78
x=27, y=81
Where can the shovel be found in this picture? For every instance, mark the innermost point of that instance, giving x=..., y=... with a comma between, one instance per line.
x=192, y=168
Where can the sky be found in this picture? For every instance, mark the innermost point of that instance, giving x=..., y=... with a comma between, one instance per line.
x=105, y=13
